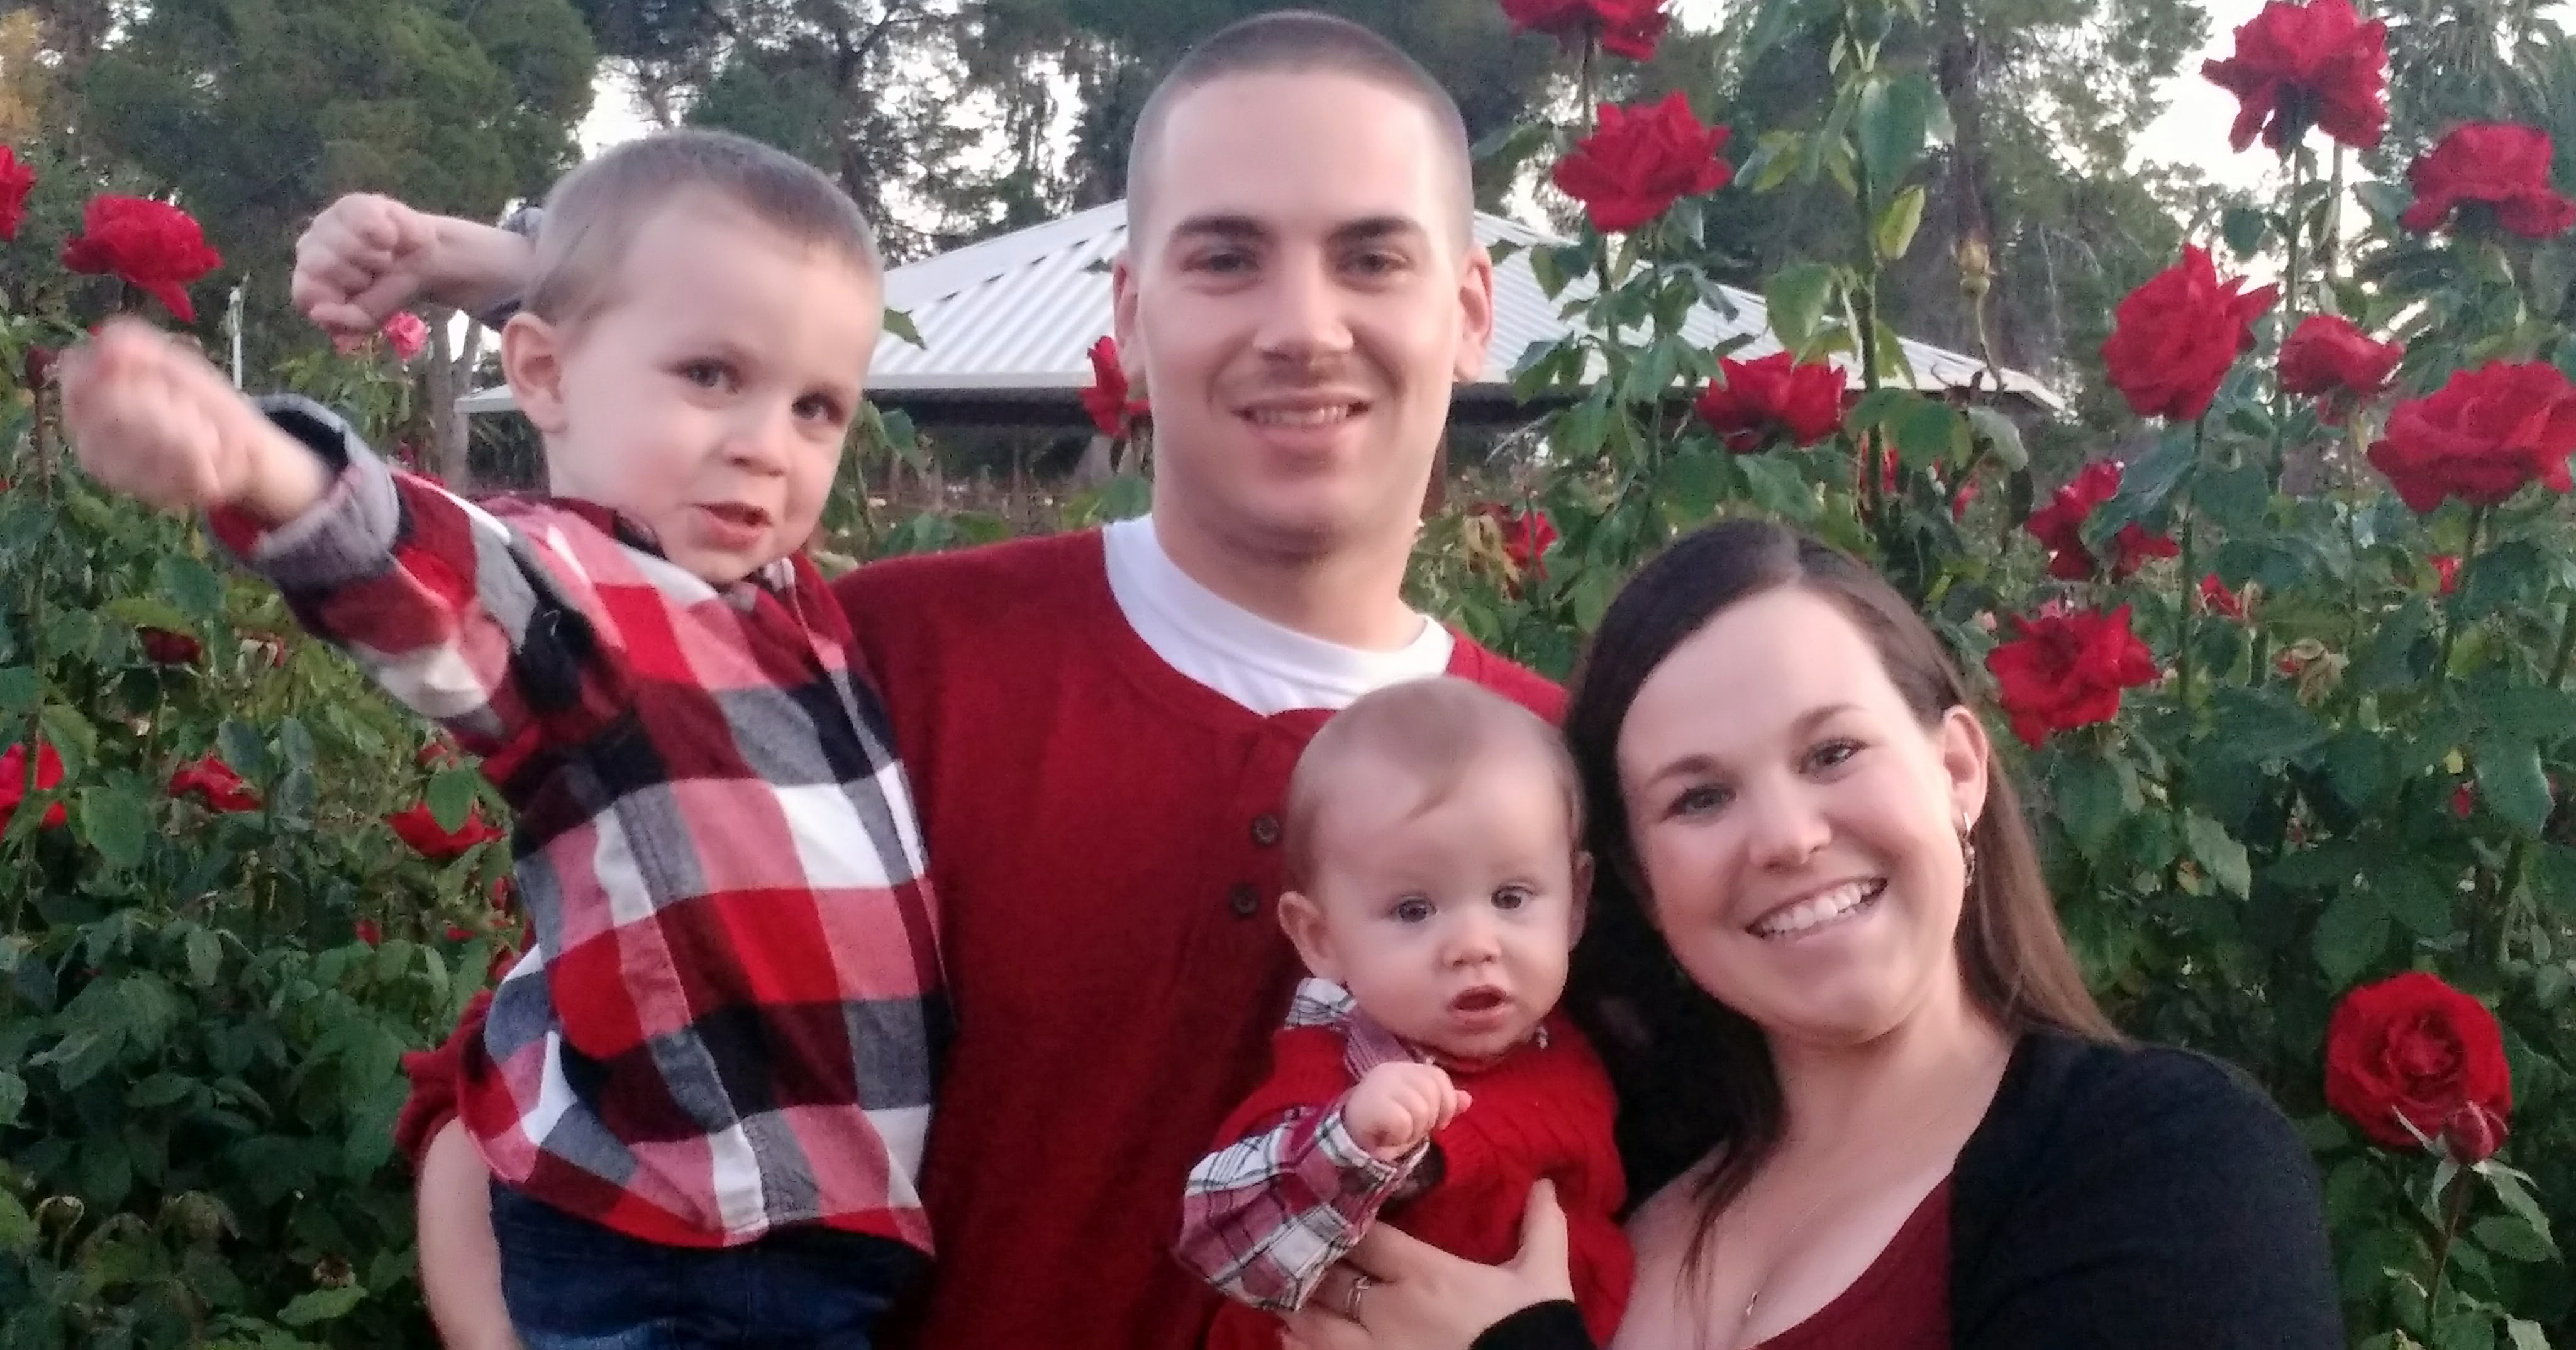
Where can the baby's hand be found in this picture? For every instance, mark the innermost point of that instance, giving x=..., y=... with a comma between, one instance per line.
x=362, y=259
x=149, y=418
x=1397, y=1106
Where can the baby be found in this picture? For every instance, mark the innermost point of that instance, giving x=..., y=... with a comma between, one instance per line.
x=703, y=1092
x=1423, y=1075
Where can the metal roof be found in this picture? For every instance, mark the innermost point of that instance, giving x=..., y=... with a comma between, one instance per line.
x=1017, y=315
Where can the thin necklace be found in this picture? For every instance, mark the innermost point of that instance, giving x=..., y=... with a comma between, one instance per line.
x=1763, y=1286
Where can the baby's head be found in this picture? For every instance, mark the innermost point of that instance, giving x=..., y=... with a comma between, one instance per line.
x=1433, y=864
x=697, y=329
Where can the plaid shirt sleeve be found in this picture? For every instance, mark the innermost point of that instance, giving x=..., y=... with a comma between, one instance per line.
x=1263, y=1218
x=453, y=612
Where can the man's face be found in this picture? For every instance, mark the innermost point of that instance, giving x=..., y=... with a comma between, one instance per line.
x=1300, y=298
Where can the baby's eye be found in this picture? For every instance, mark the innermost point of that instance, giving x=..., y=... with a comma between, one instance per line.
x=1512, y=897
x=1412, y=909
x=707, y=374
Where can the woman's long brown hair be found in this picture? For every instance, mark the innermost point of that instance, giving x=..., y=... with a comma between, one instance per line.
x=1693, y=1075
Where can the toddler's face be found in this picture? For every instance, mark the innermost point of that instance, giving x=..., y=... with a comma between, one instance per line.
x=711, y=396
x=1449, y=922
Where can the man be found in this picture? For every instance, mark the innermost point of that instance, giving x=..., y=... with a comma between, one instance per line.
x=1100, y=726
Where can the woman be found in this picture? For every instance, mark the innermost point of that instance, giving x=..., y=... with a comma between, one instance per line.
x=1863, y=1088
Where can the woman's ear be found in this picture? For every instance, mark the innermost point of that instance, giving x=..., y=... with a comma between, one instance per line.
x=1967, y=756
x=1303, y=921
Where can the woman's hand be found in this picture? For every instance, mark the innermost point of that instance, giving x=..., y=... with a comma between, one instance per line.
x=1411, y=1295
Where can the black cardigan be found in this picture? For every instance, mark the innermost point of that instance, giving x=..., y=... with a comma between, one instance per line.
x=2114, y=1199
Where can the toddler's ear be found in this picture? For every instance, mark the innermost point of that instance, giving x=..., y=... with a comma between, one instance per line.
x=1303, y=921
x=532, y=359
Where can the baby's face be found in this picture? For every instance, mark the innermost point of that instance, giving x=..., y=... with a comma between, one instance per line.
x=710, y=398
x=1449, y=923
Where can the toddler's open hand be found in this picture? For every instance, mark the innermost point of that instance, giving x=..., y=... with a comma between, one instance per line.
x=1397, y=1106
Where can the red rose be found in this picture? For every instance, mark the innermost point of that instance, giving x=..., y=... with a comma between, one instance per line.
x=214, y=783
x=2174, y=338
x=1629, y=27
x=39, y=366
x=2413, y=1048
x=164, y=647
x=1106, y=400
x=2446, y=568
x=418, y=828
x=1641, y=161
x=1961, y=500
x=406, y=333
x=2464, y=799
x=2067, y=671
x=16, y=181
x=2328, y=358
x=2473, y=1134
x=2059, y=526
x=457, y=932
x=2298, y=66
x=1527, y=533
x=2503, y=165
x=2481, y=436
x=13, y=782
x=153, y=246
x=368, y=932
x=2217, y=599
x=1752, y=402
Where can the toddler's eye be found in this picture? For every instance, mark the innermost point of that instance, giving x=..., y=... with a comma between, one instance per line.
x=1412, y=909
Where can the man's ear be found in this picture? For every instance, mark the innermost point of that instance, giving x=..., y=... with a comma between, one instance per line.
x=1303, y=921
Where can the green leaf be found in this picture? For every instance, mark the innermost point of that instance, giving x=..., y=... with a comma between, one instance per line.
x=13, y=1099
x=2001, y=438
x=17, y=1227
x=1890, y=125
x=1694, y=482
x=2400, y=654
x=2526, y=1335
x=72, y=736
x=113, y=821
x=2511, y=780
x=191, y=585
x=159, y=1090
x=20, y=690
x=1897, y=224
x=2543, y=716
x=899, y=324
x=2512, y=1239
x=2089, y=801
x=294, y=743
x=321, y=1305
x=2419, y=902
x=2510, y=577
x=205, y=957
x=1777, y=487
x=2356, y=766
x=2258, y=726
x=452, y=793
x=143, y=611
x=2243, y=228
x=2350, y=935
x=1796, y=298
x=2237, y=499
x=2218, y=851
x=1925, y=430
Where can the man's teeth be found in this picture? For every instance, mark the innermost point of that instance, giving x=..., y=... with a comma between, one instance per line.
x=1302, y=417
x=1822, y=909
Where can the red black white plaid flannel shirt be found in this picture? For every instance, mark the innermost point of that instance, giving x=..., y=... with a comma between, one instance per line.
x=1263, y=1218
x=731, y=1014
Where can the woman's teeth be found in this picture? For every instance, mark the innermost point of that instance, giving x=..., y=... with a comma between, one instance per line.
x=1838, y=903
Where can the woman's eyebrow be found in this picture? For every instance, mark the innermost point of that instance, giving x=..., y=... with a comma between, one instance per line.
x=1700, y=763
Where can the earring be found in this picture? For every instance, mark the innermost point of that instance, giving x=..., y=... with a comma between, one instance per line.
x=1967, y=850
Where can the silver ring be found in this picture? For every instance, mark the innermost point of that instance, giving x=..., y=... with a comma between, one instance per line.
x=1360, y=1285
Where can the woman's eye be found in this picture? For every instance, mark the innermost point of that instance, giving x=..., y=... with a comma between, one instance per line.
x=1833, y=753
x=1412, y=909
x=1699, y=800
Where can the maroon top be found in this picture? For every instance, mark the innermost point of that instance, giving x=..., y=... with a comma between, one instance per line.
x=1902, y=1302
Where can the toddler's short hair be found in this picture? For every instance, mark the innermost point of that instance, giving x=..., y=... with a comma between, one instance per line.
x=592, y=215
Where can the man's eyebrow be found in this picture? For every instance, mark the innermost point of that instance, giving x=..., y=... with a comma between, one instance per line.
x=1220, y=226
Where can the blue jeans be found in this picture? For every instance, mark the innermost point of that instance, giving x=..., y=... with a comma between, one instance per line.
x=572, y=1284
